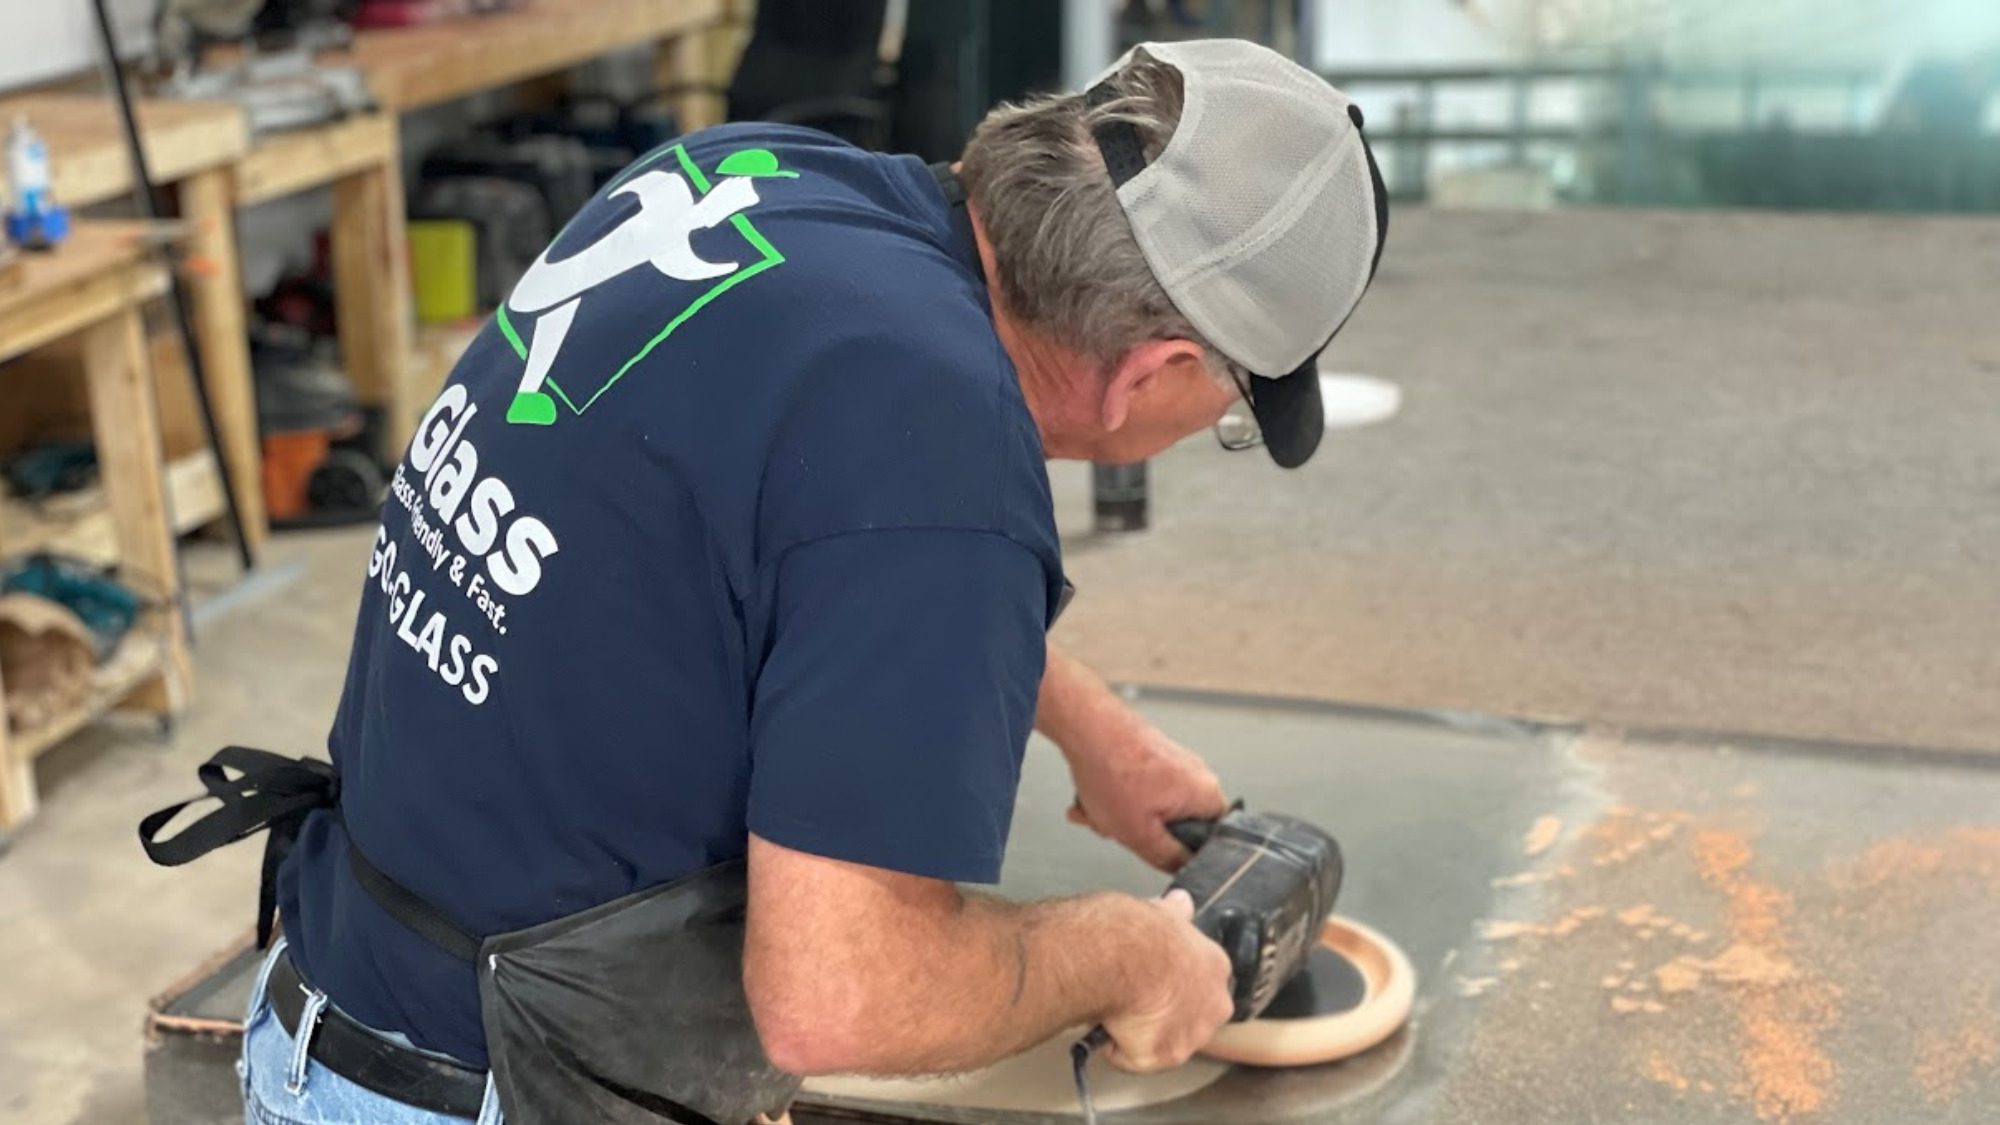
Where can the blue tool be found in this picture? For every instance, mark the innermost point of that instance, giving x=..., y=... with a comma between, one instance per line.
x=106, y=605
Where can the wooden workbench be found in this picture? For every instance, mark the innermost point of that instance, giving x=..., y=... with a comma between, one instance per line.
x=91, y=290
x=360, y=158
x=415, y=67
x=191, y=146
x=203, y=149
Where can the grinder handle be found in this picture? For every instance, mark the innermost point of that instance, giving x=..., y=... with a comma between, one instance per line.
x=1241, y=936
x=1191, y=833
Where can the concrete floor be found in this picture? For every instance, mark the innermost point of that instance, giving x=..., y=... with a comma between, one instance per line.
x=1719, y=933
x=88, y=928
x=1684, y=471
x=1732, y=475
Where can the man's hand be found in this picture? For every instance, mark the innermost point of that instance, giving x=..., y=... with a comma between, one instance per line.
x=1131, y=779
x=851, y=969
x=1131, y=790
x=1182, y=999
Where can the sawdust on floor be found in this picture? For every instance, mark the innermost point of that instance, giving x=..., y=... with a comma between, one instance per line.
x=1625, y=833
x=1759, y=1014
x=1682, y=974
x=1782, y=1013
x=1625, y=1005
x=1542, y=835
x=1947, y=1065
x=1506, y=930
x=1476, y=986
x=1662, y=1070
x=1971, y=851
x=1911, y=897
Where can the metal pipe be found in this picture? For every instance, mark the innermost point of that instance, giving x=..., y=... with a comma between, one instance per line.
x=1090, y=27
x=149, y=205
x=1306, y=19
x=1119, y=498
x=1517, y=142
x=1089, y=40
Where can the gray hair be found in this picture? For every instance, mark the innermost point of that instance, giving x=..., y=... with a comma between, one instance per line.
x=1067, y=262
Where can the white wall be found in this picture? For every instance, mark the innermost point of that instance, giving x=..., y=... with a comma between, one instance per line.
x=1720, y=32
x=1419, y=32
x=46, y=39
x=1876, y=37
x=1865, y=32
x=1365, y=34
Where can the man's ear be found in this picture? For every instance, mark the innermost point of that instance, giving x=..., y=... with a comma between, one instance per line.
x=1137, y=372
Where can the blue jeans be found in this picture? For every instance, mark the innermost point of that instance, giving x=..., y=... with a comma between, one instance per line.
x=283, y=1086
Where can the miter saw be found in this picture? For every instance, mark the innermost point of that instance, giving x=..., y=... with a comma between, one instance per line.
x=276, y=78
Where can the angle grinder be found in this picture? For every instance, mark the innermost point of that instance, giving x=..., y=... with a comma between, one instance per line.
x=1263, y=886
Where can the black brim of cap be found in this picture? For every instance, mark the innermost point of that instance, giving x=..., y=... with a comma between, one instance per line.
x=1290, y=414
x=1289, y=410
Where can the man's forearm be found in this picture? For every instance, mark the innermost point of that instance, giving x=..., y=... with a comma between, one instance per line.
x=1131, y=779
x=1026, y=971
x=1078, y=711
x=853, y=970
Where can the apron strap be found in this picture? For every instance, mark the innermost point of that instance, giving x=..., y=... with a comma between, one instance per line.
x=260, y=790
x=267, y=791
x=412, y=909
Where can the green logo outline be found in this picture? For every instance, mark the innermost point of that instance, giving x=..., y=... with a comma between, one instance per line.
x=770, y=258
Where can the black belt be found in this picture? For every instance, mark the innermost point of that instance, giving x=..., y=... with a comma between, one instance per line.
x=259, y=790
x=401, y=1074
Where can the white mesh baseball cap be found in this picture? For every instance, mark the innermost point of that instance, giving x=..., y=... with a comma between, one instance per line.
x=1263, y=218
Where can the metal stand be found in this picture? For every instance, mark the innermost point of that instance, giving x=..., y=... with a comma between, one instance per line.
x=1090, y=42
x=142, y=190
x=1118, y=497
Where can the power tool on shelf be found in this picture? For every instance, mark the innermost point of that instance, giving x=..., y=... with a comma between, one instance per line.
x=277, y=77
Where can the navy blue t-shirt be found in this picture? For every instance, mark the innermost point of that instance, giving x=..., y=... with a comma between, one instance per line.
x=734, y=520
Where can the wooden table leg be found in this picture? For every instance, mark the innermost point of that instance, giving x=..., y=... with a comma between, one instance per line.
x=371, y=281
x=694, y=69
x=17, y=779
x=124, y=416
x=217, y=297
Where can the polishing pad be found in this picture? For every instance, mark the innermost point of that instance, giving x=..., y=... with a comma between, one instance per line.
x=1355, y=992
x=1036, y=1081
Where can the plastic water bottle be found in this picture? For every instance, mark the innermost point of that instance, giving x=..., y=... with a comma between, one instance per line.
x=34, y=220
x=28, y=167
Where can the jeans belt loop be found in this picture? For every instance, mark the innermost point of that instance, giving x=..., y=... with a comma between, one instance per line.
x=295, y=1079
x=489, y=1105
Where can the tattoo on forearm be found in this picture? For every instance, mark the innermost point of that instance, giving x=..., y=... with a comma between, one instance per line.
x=1020, y=966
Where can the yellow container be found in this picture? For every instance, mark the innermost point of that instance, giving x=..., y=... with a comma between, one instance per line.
x=444, y=269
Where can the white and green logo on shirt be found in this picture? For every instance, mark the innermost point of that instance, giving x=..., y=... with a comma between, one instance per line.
x=660, y=236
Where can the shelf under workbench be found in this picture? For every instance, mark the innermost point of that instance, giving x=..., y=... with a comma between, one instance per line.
x=137, y=660
x=191, y=147
x=79, y=524
x=88, y=292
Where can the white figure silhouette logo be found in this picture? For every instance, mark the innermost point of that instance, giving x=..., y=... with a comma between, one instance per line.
x=660, y=234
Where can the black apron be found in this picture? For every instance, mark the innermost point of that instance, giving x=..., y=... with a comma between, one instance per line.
x=629, y=1013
